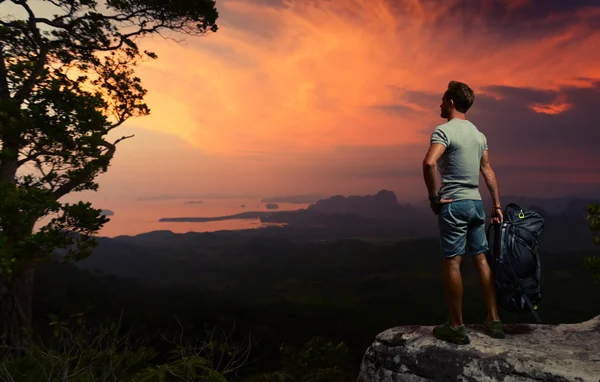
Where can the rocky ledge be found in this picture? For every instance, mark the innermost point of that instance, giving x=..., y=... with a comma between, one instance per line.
x=568, y=352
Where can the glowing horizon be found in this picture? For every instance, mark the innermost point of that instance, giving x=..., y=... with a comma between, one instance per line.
x=305, y=97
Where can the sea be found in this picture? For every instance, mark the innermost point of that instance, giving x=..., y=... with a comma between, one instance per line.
x=136, y=217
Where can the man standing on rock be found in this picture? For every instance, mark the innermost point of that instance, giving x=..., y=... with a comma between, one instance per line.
x=462, y=153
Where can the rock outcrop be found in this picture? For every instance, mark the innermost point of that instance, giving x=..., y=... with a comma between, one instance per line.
x=569, y=352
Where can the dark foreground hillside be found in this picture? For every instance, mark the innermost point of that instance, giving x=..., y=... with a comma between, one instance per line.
x=284, y=292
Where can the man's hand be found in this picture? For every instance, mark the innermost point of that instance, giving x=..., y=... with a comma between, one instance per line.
x=437, y=207
x=497, y=216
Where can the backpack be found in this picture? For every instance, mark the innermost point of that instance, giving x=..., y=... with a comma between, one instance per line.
x=515, y=261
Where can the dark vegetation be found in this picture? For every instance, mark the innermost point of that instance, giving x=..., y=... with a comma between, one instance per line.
x=283, y=293
x=593, y=262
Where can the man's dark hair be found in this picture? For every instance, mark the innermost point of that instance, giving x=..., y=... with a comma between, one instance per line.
x=462, y=95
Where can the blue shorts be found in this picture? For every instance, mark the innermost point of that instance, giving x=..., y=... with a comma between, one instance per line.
x=462, y=228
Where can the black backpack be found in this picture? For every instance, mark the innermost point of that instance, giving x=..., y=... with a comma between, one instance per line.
x=515, y=261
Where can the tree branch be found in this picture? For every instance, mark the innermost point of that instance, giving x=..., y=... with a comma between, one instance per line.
x=76, y=181
x=33, y=156
x=122, y=139
x=119, y=122
x=68, y=27
x=29, y=83
x=127, y=36
x=15, y=24
x=46, y=176
x=57, y=22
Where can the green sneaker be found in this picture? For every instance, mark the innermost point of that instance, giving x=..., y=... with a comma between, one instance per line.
x=495, y=328
x=447, y=333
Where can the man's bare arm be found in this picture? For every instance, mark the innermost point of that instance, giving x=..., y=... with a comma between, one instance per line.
x=430, y=167
x=490, y=178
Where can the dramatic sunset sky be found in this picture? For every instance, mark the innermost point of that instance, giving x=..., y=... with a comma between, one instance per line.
x=341, y=96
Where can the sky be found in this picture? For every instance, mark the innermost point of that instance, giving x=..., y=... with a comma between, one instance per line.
x=341, y=96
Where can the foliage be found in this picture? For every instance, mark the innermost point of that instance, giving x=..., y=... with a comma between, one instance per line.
x=78, y=351
x=594, y=218
x=212, y=360
x=66, y=82
x=318, y=360
x=593, y=262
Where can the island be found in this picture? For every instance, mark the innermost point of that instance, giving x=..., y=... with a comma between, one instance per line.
x=243, y=215
x=272, y=206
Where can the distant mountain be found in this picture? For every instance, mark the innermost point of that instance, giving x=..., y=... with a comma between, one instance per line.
x=371, y=215
x=384, y=204
x=381, y=217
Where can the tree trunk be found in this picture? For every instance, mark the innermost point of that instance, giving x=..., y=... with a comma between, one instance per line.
x=16, y=313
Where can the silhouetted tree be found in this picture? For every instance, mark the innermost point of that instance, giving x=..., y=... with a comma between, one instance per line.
x=66, y=81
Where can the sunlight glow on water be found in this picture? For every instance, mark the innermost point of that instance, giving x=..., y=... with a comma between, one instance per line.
x=135, y=217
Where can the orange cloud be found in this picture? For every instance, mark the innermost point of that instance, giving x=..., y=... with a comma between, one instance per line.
x=560, y=105
x=311, y=73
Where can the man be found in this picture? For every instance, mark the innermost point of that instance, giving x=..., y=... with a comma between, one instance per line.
x=462, y=153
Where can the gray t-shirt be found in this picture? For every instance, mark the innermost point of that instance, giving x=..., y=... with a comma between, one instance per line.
x=460, y=163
